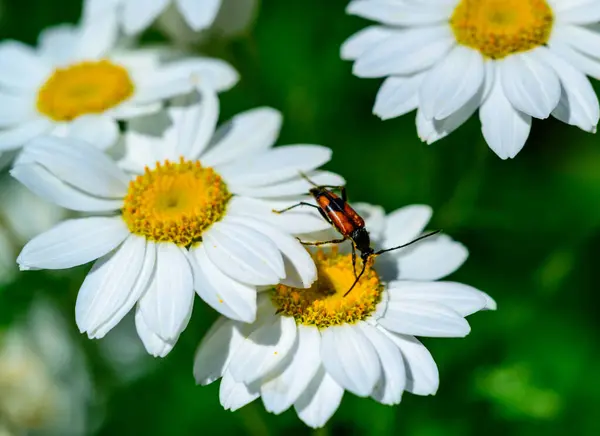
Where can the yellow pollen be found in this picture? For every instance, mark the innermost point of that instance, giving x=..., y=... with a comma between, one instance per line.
x=85, y=88
x=324, y=304
x=498, y=28
x=175, y=202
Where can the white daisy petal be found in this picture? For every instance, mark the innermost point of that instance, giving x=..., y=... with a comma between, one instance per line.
x=20, y=66
x=350, y=359
x=215, y=351
x=300, y=270
x=580, y=38
x=229, y=297
x=586, y=64
x=320, y=400
x=398, y=13
x=530, y=85
x=154, y=344
x=408, y=52
x=294, y=186
x=450, y=84
x=364, y=40
x=49, y=187
x=130, y=110
x=57, y=43
x=212, y=73
x=505, y=129
x=141, y=284
x=275, y=165
x=264, y=349
x=139, y=14
x=243, y=253
x=18, y=135
x=168, y=301
x=280, y=391
x=108, y=284
x=16, y=109
x=432, y=259
x=423, y=318
x=405, y=224
x=199, y=15
x=234, y=395
x=463, y=299
x=397, y=96
x=582, y=12
x=422, y=376
x=393, y=379
x=98, y=130
x=247, y=133
x=73, y=242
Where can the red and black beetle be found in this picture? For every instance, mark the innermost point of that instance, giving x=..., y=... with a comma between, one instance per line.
x=337, y=212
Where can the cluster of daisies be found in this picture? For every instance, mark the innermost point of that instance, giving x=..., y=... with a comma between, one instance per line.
x=172, y=204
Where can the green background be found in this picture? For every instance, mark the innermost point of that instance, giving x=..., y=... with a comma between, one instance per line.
x=531, y=225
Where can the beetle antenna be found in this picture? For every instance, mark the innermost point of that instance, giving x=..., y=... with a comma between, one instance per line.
x=357, y=278
x=407, y=244
x=304, y=176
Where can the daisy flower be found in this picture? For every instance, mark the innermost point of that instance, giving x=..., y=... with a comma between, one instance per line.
x=76, y=83
x=511, y=59
x=307, y=347
x=136, y=15
x=196, y=215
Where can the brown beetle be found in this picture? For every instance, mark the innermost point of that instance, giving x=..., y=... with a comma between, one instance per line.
x=337, y=212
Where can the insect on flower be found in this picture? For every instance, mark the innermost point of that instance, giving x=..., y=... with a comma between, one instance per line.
x=337, y=212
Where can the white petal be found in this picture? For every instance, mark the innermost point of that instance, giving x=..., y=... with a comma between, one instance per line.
x=398, y=13
x=582, y=12
x=139, y=14
x=586, y=64
x=423, y=318
x=294, y=186
x=505, y=129
x=49, y=187
x=229, y=297
x=129, y=110
x=141, y=284
x=451, y=83
x=199, y=14
x=73, y=242
x=16, y=109
x=98, y=130
x=215, y=351
x=244, y=254
x=580, y=38
x=264, y=349
x=350, y=359
x=19, y=135
x=275, y=165
x=407, y=52
x=463, y=299
x=391, y=384
x=432, y=259
x=397, y=96
x=578, y=104
x=57, y=44
x=529, y=84
x=422, y=376
x=212, y=73
x=281, y=390
x=405, y=224
x=78, y=164
x=168, y=302
x=98, y=29
x=21, y=67
x=320, y=400
x=154, y=344
x=363, y=40
x=247, y=133
x=109, y=283
x=235, y=395
x=300, y=270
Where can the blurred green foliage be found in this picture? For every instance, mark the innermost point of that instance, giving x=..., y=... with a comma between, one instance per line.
x=531, y=225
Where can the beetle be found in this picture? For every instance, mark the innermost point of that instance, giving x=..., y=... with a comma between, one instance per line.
x=337, y=212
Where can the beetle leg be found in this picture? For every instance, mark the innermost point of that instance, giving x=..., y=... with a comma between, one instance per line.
x=317, y=243
x=302, y=203
x=354, y=260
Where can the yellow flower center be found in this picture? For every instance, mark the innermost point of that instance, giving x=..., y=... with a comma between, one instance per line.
x=324, y=304
x=175, y=202
x=84, y=88
x=498, y=28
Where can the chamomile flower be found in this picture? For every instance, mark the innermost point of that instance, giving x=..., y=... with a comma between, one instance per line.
x=307, y=347
x=136, y=15
x=514, y=60
x=76, y=83
x=196, y=215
